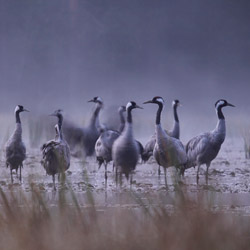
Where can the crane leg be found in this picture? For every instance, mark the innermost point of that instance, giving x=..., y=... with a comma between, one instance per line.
x=106, y=175
x=182, y=170
x=120, y=178
x=53, y=179
x=208, y=165
x=159, y=170
x=20, y=174
x=11, y=176
x=116, y=174
x=165, y=175
x=197, y=174
x=100, y=164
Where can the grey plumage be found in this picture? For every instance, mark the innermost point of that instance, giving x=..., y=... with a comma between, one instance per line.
x=56, y=153
x=125, y=150
x=149, y=147
x=82, y=140
x=121, y=111
x=15, y=149
x=202, y=149
x=103, y=146
x=175, y=132
x=168, y=151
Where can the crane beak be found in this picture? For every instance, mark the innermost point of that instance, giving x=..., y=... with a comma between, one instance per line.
x=231, y=105
x=91, y=100
x=26, y=110
x=148, y=102
x=138, y=107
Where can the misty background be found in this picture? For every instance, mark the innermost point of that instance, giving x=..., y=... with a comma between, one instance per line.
x=61, y=53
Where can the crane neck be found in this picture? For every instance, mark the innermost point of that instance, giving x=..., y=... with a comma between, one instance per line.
x=129, y=115
x=158, y=114
x=95, y=115
x=60, y=121
x=128, y=129
x=122, y=120
x=220, y=131
x=221, y=126
x=60, y=134
x=176, y=118
x=219, y=113
x=17, y=114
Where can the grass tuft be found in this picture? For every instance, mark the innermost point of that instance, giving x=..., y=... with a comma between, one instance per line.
x=34, y=223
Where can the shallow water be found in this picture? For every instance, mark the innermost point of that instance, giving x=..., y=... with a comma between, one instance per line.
x=227, y=188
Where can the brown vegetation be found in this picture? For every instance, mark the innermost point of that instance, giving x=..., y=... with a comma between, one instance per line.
x=36, y=224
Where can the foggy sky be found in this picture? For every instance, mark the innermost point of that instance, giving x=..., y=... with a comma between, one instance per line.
x=61, y=53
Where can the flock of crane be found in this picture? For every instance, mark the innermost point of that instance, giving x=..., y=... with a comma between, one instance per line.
x=120, y=146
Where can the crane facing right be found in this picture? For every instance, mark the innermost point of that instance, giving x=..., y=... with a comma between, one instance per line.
x=203, y=148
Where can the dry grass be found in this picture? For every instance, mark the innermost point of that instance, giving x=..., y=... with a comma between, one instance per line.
x=35, y=224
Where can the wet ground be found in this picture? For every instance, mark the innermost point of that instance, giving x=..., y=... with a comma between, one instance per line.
x=227, y=187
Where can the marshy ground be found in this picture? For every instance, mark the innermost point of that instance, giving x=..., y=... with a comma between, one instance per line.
x=86, y=213
x=227, y=188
